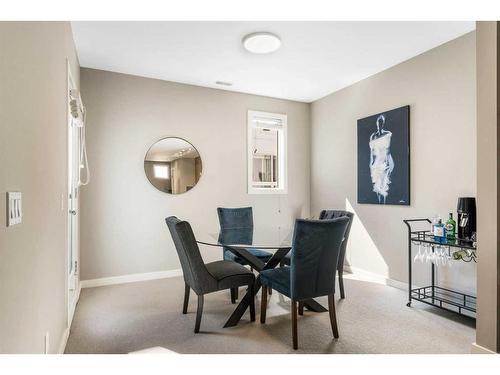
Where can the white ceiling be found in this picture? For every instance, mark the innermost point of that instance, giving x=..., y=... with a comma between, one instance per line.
x=169, y=149
x=316, y=58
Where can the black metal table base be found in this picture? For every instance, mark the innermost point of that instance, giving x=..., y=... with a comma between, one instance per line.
x=312, y=305
x=259, y=266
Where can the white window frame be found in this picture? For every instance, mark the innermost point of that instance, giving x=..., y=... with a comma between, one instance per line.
x=282, y=187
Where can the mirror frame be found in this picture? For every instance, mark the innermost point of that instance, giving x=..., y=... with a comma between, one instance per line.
x=149, y=149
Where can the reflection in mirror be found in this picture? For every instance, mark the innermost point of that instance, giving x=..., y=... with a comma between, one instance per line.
x=173, y=165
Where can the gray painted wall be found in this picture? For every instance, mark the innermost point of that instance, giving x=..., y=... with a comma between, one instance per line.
x=440, y=87
x=33, y=160
x=123, y=228
x=117, y=239
x=488, y=281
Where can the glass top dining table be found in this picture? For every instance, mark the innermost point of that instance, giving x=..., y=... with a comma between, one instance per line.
x=249, y=238
x=239, y=241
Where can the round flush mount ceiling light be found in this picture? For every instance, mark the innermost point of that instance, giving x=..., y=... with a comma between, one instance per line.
x=261, y=42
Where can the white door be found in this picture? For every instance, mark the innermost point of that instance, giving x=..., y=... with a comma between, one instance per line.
x=73, y=208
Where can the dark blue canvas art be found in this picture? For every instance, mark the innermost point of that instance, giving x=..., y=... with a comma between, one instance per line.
x=384, y=158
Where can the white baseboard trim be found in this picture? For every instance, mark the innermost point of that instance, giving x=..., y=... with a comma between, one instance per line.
x=478, y=349
x=73, y=308
x=129, y=278
x=373, y=277
x=65, y=334
x=64, y=340
x=113, y=280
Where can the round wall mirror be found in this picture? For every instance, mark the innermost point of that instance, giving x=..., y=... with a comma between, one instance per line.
x=173, y=165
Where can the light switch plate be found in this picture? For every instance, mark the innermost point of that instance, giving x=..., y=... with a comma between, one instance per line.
x=14, y=208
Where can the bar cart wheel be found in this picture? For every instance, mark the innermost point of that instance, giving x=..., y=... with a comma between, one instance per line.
x=408, y=304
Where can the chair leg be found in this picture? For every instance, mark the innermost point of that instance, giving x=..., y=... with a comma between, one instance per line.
x=341, y=284
x=294, y=324
x=301, y=308
x=270, y=291
x=186, y=298
x=333, y=316
x=252, y=303
x=263, y=304
x=198, y=314
x=234, y=295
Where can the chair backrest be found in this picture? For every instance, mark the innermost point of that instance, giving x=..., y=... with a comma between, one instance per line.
x=241, y=236
x=315, y=254
x=233, y=218
x=195, y=272
x=333, y=214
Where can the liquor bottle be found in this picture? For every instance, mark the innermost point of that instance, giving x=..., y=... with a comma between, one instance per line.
x=451, y=226
x=439, y=231
x=434, y=222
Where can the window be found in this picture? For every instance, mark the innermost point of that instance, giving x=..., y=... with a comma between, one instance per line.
x=161, y=171
x=267, y=162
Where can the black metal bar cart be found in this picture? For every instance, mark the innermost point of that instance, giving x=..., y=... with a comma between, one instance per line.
x=434, y=295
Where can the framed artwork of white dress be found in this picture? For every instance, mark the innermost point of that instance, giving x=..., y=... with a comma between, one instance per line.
x=384, y=157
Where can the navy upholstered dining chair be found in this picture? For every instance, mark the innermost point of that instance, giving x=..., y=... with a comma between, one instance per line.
x=239, y=218
x=314, y=257
x=328, y=215
x=205, y=278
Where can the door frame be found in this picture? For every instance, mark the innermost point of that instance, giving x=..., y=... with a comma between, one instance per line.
x=70, y=302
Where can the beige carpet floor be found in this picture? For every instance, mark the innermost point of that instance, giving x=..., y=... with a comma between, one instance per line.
x=372, y=319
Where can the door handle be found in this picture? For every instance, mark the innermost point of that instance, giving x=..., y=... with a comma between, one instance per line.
x=72, y=212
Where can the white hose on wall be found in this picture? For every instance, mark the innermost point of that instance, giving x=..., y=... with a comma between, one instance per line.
x=84, y=162
x=79, y=112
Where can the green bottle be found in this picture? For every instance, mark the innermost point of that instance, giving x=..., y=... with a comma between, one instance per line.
x=451, y=227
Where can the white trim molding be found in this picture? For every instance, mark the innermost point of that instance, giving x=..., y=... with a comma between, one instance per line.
x=64, y=340
x=122, y=279
x=478, y=349
x=361, y=274
x=72, y=308
x=65, y=334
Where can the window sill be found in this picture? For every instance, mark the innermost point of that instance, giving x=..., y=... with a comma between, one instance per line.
x=256, y=191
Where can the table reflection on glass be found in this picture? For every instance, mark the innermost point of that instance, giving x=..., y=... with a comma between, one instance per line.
x=275, y=240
